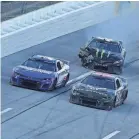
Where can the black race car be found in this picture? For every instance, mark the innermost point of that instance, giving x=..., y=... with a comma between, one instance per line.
x=104, y=55
x=100, y=90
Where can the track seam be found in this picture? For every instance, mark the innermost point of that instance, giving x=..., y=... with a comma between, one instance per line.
x=35, y=105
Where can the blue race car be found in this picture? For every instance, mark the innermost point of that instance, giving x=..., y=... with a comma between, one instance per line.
x=41, y=73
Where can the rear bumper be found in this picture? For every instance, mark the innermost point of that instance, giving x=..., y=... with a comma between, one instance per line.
x=30, y=84
x=93, y=103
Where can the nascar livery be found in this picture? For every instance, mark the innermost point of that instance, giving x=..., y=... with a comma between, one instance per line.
x=104, y=55
x=100, y=90
x=41, y=73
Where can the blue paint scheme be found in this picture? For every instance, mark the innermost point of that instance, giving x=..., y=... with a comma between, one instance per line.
x=33, y=78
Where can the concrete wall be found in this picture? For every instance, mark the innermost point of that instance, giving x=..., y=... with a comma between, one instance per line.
x=66, y=24
x=12, y=9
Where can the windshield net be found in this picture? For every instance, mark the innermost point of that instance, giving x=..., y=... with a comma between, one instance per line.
x=99, y=82
x=37, y=64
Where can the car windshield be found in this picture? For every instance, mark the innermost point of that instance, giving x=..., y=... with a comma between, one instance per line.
x=38, y=64
x=106, y=46
x=101, y=82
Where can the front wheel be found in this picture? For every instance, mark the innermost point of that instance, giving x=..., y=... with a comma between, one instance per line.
x=54, y=85
x=83, y=61
x=65, y=81
x=125, y=97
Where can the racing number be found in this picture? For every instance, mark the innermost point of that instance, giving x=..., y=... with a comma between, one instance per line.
x=118, y=98
x=61, y=72
x=119, y=91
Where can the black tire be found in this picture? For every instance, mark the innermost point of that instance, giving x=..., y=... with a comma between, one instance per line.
x=109, y=108
x=83, y=61
x=114, y=102
x=125, y=97
x=73, y=99
x=54, y=85
x=67, y=78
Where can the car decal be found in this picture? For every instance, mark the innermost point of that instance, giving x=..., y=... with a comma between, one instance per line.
x=108, y=54
x=102, y=53
x=97, y=52
x=33, y=69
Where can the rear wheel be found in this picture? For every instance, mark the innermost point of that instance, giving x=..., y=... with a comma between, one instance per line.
x=114, y=102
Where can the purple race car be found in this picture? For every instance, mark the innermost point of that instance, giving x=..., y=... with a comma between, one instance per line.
x=41, y=73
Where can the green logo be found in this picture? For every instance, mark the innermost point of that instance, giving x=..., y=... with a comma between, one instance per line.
x=102, y=53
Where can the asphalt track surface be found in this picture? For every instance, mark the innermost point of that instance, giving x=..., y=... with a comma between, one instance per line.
x=49, y=115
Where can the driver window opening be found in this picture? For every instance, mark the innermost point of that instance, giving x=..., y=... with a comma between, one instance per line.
x=59, y=66
x=118, y=84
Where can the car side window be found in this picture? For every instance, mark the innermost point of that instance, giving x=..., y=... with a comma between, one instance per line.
x=59, y=66
x=118, y=85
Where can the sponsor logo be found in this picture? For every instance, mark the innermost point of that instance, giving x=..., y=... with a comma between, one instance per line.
x=102, y=53
x=33, y=69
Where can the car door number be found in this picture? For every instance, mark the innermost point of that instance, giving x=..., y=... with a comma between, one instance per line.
x=118, y=98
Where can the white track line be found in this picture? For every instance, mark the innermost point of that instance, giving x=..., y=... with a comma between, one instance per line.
x=79, y=77
x=6, y=110
x=70, y=81
x=111, y=135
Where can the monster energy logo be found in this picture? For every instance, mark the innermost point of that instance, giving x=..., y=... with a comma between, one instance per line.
x=102, y=53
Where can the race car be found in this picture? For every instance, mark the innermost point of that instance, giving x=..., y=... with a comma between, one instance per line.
x=100, y=90
x=41, y=73
x=103, y=54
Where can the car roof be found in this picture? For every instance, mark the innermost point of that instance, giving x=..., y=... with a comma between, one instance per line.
x=106, y=40
x=44, y=58
x=104, y=75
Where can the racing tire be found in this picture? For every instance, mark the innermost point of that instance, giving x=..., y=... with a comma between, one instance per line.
x=65, y=82
x=109, y=108
x=114, y=102
x=73, y=99
x=112, y=105
x=125, y=97
x=54, y=85
x=83, y=61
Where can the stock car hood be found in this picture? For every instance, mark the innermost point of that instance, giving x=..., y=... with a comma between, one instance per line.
x=34, y=73
x=104, y=55
x=107, y=55
x=93, y=91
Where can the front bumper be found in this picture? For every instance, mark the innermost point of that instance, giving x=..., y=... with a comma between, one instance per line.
x=91, y=102
x=36, y=84
x=107, y=67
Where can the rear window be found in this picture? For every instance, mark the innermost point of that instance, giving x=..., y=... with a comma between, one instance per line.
x=113, y=47
x=39, y=64
x=101, y=82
